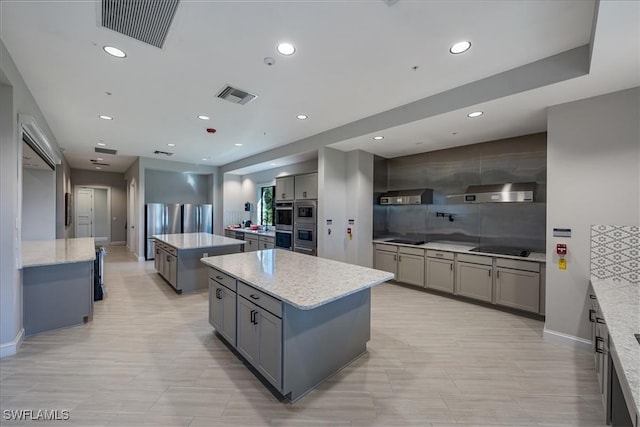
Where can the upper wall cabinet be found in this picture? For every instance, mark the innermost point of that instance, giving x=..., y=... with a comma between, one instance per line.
x=306, y=186
x=284, y=188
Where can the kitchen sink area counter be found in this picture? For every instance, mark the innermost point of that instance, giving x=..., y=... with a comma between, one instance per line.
x=296, y=319
x=177, y=257
x=619, y=302
x=57, y=283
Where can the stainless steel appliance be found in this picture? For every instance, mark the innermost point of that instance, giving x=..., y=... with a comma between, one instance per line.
x=308, y=251
x=305, y=236
x=305, y=211
x=419, y=196
x=516, y=192
x=284, y=216
x=197, y=218
x=161, y=218
x=284, y=240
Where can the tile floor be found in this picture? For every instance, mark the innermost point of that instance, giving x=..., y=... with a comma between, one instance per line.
x=150, y=358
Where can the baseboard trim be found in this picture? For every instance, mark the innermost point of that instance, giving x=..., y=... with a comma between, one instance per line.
x=569, y=340
x=141, y=259
x=11, y=348
x=122, y=243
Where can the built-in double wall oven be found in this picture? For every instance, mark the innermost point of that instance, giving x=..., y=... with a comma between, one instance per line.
x=305, y=226
x=284, y=225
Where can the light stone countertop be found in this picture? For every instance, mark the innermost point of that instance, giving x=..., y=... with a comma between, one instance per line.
x=270, y=233
x=619, y=301
x=303, y=281
x=196, y=240
x=60, y=251
x=466, y=248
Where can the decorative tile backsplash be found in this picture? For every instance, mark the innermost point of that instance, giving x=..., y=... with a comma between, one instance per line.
x=615, y=252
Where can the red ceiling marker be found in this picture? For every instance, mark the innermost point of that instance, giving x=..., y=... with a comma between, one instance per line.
x=211, y=130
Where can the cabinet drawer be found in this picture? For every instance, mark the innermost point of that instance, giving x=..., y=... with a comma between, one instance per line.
x=476, y=259
x=171, y=250
x=260, y=298
x=518, y=265
x=386, y=248
x=222, y=278
x=267, y=239
x=439, y=254
x=410, y=251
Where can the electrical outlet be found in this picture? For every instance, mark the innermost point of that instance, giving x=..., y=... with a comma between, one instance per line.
x=205, y=254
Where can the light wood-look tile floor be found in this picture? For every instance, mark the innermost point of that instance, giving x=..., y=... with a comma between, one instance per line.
x=149, y=357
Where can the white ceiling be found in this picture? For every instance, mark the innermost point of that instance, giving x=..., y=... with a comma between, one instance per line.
x=353, y=60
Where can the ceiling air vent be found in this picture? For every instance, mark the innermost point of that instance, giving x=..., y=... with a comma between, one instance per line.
x=147, y=21
x=166, y=153
x=236, y=96
x=97, y=163
x=105, y=151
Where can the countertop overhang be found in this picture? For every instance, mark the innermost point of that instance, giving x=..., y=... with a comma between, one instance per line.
x=59, y=251
x=185, y=241
x=256, y=232
x=466, y=249
x=304, y=281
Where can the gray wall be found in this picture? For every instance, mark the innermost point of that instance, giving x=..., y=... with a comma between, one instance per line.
x=176, y=187
x=450, y=172
x=593, y=178
x=38, y=198
x=118, y=185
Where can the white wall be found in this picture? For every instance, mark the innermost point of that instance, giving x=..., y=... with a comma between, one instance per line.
x=359, y=207
x=593, y=177
x=38, y=198
x=332, y=175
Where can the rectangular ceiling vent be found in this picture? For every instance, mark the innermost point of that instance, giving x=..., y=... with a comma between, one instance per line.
x=166, y=153
x=105, y=151
x=236, y=96
x=97, y=163
x=147, y=21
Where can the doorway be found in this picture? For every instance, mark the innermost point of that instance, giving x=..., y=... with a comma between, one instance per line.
x=93, y=211
x=84, y=212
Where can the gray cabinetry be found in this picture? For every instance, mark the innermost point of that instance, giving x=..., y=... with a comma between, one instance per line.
x=474, y=277
x=252, y=242
x=285, y=188
x=439, y=271
x=306, y=186
x=411, y=266
x=222, y=304
x=266, y=242
x=260, y=332
x=518, y=284
x=230, y=234
x=386, y=258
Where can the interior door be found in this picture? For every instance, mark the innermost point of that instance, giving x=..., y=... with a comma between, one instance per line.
x=84, y=213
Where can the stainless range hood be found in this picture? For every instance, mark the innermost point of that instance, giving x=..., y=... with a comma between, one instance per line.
x=421, y=196
x=517, y=192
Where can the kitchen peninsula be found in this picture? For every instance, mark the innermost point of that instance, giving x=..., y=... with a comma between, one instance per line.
x=297, y=319
x=177, y=257
x=57, y=282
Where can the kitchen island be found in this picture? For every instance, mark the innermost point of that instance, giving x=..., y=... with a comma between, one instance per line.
x=57, y=283
x=296, y=319
x=177, y=257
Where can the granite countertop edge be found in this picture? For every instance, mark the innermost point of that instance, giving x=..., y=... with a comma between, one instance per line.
x=198, y=240
x=57, y=252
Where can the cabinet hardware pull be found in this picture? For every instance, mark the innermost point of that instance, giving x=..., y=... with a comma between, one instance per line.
x=218, y=292
x=255, y=317
x=498, y=274
x=253, y=312
x=168, y=259
x=592, y=313
x=395, y=257
x=283, y=195
x=440, y=255
x=399, y=257
x=489, y=273
x=451, y=267
x=599, y=348
x=600, y=320
x=254, y=296
x=219, y=277
x=591, y=296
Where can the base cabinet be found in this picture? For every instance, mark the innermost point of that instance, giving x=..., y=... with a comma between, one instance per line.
x=518, y=289
x=222, y=310
x=386, y=258
x=439, y=271
x=411, y=266
x=474, y=281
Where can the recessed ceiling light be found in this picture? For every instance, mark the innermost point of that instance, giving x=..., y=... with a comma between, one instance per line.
x=99, y=159
x=114, y=51
x=286, y=49
x=101, y=144
x=201, y=117
x=238, y=145
x=98, y=167
x=378, y=138
x=475, y=114
x=103, y=117
x=273, y=164
x=171, y=145
x=302, y=117
x=460, y=47
x=205, y=158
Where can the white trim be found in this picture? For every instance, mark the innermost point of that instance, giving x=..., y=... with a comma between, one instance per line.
x=556, y=337
x=11, y=348
x=141, y=259
x=119, y=243
x=29, y=126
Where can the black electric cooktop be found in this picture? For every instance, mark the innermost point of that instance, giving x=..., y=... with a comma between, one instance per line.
x=406, y=241
x=502, y=250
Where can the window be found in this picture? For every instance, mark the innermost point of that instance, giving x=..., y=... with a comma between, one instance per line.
x=266, y=205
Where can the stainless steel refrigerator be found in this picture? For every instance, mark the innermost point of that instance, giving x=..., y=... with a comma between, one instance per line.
x=160, y=219
x=197, y=218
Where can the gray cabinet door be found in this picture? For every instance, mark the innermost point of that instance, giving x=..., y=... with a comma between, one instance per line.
x=284, y=188
x=173, y=270
x=474, y=281
x=439, y=275
x=156, y=258
x=386, y=261
x=215, y=305
x=411, y=269
x=518, y=289
x=252, y=243
x=246, y=331
x=269, y=347
x=228, y=314
x=306, y=186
